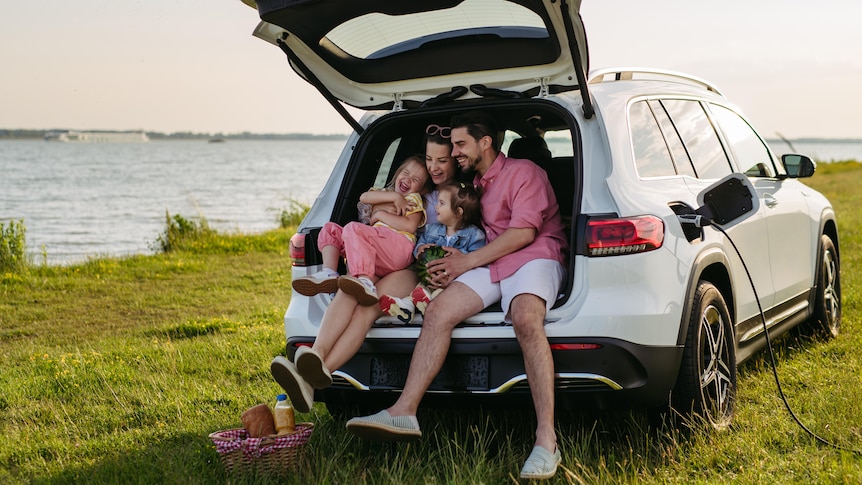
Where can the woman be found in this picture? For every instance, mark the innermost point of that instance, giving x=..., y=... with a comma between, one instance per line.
x=346, y=322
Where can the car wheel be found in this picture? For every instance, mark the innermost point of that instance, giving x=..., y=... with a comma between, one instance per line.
x=826, y=320
x=706, y=385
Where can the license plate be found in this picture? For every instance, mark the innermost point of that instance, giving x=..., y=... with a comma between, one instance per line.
x=469, y=373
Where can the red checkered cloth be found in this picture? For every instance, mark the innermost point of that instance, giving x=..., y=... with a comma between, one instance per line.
x=233, y=439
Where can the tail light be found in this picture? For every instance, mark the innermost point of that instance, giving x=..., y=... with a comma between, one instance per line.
x=297, y=249
x=627, y=235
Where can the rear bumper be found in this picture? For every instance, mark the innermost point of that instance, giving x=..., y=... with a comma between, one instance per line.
x=616, y=374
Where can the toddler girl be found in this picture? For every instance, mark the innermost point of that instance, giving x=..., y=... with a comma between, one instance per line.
x=458, y=218
x=372, y=251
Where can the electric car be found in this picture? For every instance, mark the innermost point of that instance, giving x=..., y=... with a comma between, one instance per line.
x=689, y=238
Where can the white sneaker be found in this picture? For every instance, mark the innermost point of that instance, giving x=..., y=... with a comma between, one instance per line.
x=325, y=281
x=421, y=298
x=400, y=308
x=360, y=288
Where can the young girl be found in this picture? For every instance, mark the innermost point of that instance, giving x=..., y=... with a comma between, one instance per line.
x=458, y=218
x=372, y=251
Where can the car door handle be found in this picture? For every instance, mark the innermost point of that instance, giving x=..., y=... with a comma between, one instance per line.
x=769, y=200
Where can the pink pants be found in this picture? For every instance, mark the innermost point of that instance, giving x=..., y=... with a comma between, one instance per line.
x=372, y=251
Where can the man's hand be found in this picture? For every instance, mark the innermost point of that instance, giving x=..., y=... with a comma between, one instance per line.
x=446, y=269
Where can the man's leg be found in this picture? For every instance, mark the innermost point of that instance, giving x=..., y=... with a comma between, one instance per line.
x=398, y=422
x=450, y=308
x=528, y=319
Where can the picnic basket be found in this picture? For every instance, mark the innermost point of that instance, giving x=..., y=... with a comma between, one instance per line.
x=272, y=455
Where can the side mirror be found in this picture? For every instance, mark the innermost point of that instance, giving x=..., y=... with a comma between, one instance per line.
x=798, y=166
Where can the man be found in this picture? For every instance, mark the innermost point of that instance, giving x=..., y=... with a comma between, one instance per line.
x=521, y=266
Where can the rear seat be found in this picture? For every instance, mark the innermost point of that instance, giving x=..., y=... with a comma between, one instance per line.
x=560, y=170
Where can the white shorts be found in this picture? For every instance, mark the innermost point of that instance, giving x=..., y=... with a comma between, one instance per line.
x=540, y=277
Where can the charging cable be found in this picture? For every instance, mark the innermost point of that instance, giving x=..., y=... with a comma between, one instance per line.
x=702, y=221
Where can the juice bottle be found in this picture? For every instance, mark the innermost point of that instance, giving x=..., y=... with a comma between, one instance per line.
x=285, y=422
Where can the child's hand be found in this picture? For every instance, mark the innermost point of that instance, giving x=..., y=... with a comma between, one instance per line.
x=402, y=205
x=421, y=248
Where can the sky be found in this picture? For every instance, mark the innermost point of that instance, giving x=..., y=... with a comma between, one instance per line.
x=793, y=67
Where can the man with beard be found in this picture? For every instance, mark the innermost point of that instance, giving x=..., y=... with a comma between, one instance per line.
x=521, y=266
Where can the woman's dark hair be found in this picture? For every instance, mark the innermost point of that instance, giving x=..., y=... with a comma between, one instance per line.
x=478, y=124
x=466, y=198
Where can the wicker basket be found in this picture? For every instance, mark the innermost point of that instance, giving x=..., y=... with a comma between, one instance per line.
x=271, y=455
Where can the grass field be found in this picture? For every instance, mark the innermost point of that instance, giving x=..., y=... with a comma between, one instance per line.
x=116, y=371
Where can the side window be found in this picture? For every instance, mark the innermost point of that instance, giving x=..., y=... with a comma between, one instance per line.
x=699, y=137
x=652, y=157
x=383, y=174
x=750, y=153
x=674, y=142
x=560, y=143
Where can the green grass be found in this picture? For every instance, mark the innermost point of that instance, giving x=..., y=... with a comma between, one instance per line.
x=116, y=371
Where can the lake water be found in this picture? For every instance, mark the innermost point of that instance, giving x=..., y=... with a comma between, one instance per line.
x=91, y=199
x=79, y=200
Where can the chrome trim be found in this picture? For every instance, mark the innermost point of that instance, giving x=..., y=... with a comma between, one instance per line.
x=350, y=380
x=506, y=386
x=774, y=321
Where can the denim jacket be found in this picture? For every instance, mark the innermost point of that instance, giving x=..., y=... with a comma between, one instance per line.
x=465, y=240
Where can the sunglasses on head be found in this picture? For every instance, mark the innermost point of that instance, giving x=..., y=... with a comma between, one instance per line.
x=444, y=131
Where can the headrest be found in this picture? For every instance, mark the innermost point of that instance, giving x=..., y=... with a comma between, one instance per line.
x=533, y=148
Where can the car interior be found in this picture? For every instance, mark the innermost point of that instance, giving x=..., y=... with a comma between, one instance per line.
x=523, y=126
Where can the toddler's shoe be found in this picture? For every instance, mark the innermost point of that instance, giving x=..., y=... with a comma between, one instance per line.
x=360, y=288
x=400, y=308
x=421, y=298
x=324, y=281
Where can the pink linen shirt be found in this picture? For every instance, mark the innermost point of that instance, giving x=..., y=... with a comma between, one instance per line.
x=516, y=193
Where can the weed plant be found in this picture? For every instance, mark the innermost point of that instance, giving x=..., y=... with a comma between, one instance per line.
x=181, y=232
x=116, y=371
x=293, y=215
x=13, y=247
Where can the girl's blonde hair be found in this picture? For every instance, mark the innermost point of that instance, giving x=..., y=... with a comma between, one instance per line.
x=420, y=159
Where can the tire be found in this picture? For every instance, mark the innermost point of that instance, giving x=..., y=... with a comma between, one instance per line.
x=706, y=384
x=826, y=320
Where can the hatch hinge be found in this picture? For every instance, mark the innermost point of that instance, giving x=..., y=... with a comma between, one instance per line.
x=544, y=92
x=398, y=104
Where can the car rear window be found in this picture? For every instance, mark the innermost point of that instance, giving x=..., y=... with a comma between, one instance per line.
x=378, y=35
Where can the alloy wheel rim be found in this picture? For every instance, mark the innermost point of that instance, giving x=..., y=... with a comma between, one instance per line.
x=831, y=297
x=716, y=374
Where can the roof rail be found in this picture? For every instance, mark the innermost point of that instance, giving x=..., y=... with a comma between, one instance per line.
x=631, y=73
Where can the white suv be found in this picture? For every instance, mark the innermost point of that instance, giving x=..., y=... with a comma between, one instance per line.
x=656, y=309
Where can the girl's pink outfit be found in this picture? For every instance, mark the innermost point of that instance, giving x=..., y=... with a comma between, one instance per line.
x=373, y=250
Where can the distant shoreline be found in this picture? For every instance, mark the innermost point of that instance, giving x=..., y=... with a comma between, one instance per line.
x=20, y=134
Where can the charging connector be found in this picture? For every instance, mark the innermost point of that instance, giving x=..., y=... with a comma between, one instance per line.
x=697, y=220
